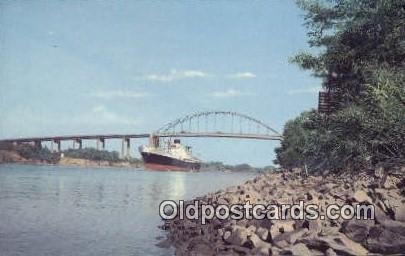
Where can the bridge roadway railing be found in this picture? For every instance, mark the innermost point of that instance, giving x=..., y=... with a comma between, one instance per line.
x=221, y=135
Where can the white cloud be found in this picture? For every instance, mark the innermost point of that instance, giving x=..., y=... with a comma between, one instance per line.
x=29, y=122
x=103, y=115
x=176, y=75
x=119, y=94
x=307, y=90
x=230, y=93
x=187, y=74
x=242, y=75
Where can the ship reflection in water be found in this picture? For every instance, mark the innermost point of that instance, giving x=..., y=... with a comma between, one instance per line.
x=171, y=156
x=178, y=185
x=58, y=210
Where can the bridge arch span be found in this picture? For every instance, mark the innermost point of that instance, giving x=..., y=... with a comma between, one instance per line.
x=195, y=122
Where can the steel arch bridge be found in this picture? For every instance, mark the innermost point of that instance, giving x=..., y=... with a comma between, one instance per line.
x=222, y=124
x=215, y=124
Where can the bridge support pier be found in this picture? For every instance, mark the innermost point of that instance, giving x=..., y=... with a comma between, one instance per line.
x=128, y=142
x=58, y=148
x=126, y=148
x=38, y=144
x=100, y=142
x=79, y=142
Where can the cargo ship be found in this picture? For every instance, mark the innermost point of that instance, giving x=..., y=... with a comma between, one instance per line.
x=170, y=156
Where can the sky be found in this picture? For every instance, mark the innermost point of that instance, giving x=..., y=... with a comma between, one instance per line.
x=86, y=67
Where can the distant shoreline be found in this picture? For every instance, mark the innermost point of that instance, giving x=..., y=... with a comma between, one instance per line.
x=112, y=166
x=90, y=157
x=76, y=162
x=12, y=157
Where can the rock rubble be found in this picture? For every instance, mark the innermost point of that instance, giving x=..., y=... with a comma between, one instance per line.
x=385, y=234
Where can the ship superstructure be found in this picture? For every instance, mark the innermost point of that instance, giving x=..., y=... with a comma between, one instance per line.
x=169, y=156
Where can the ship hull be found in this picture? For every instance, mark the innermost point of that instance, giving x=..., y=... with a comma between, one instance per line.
x=166, y=163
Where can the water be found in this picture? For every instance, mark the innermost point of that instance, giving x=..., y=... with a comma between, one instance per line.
x=54, y=210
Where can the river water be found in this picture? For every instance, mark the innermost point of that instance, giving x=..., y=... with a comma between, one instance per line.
x=54, y=210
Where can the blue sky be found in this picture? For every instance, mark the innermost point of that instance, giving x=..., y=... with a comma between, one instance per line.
x=83, y=67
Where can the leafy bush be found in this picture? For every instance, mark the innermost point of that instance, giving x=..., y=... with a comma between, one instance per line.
x=35, y=153
x=362, y=63
x=92, y=154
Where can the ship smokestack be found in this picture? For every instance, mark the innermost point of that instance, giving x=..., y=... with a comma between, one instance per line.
x=153, y=141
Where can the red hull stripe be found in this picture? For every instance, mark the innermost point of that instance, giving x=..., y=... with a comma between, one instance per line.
x=162, y=167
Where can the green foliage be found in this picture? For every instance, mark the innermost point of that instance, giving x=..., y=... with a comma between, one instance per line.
x=351, y=36
x=384, y=124
x=35, y=153
x=361, y=61
x=219, y=166
x=133, y=160
x=297, y=135
x=6, y=146
x=242, y=167
x=92, y=154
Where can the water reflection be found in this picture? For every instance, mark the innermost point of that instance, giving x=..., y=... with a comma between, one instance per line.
x=177, y=186
x=50, y=210
x=156, y=191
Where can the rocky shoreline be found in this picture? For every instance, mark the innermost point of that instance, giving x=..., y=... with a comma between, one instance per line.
x=383, y=235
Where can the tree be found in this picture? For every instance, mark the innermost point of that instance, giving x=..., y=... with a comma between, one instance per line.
x=93, y=154
x=354, y=37
x=295, y=145
x=361, y=60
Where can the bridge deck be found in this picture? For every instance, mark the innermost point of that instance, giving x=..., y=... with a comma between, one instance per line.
x=77, y=137
x=146, y=135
